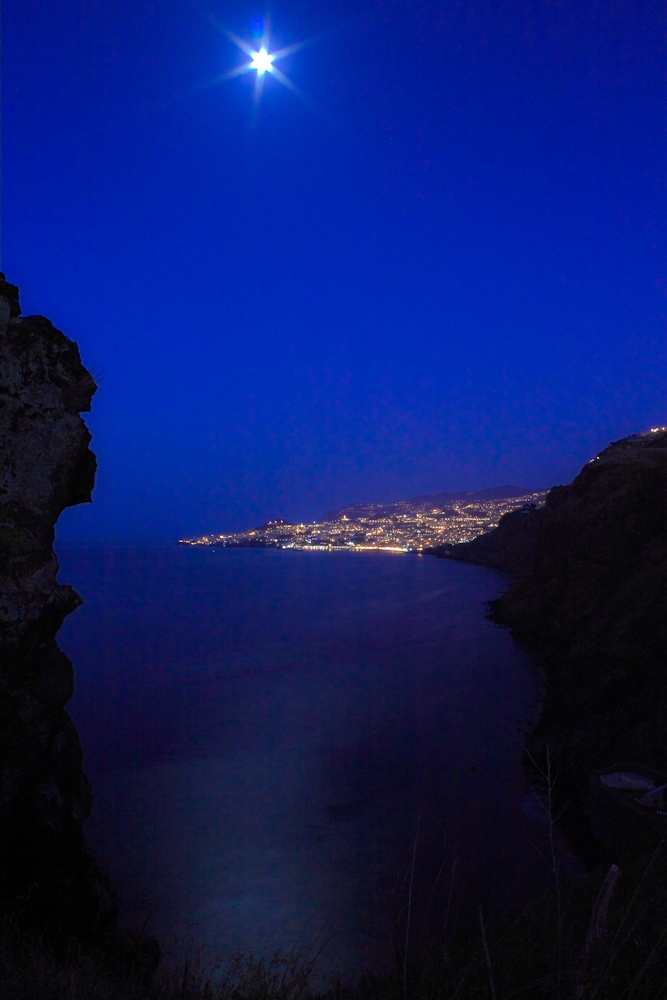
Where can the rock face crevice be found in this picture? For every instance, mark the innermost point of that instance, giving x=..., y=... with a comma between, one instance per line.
x=49, y=879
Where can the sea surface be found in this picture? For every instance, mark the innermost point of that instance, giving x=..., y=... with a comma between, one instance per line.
x=300, y=747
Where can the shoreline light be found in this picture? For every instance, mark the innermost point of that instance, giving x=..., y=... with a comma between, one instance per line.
x=412, y=529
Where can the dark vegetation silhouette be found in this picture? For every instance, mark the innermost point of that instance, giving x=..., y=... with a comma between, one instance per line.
x=604, y=936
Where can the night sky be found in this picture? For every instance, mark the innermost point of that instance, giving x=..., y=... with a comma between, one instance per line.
x=443, y=267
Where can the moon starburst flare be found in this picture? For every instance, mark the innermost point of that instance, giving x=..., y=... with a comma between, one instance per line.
x=262, y=61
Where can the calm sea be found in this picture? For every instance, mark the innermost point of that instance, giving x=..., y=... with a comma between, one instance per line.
x=283, y=745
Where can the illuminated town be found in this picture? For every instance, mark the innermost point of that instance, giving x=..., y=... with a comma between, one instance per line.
x=404, y=526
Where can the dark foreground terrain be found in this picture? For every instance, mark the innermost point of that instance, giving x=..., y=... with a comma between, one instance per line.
x=603, y=937
x=589, y=599
x=50, y=884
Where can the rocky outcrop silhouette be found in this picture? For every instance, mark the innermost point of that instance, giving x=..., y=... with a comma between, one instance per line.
x=49, y=879
x=590, y=598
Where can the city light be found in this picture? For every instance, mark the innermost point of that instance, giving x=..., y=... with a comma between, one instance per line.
x=406, y=526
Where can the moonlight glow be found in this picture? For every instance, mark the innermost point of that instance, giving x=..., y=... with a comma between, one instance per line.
x=262, y=61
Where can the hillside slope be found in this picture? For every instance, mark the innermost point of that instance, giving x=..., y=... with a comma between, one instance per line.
x=591, y=599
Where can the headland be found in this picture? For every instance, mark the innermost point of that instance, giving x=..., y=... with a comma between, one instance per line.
x=589, y=598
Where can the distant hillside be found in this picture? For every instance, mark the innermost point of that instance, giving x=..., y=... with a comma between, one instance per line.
x=426, y=502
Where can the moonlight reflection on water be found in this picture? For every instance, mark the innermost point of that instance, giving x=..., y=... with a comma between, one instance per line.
x=266, y=730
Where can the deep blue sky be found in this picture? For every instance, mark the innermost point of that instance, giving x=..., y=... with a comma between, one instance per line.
x=446, y=272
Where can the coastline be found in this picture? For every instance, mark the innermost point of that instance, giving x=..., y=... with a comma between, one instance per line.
x=587, y=600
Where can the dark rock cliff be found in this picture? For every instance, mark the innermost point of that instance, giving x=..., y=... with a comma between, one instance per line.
x=48, y=876
x=591, y=599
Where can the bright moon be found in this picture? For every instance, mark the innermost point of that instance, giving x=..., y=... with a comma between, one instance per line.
x=262, y=61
